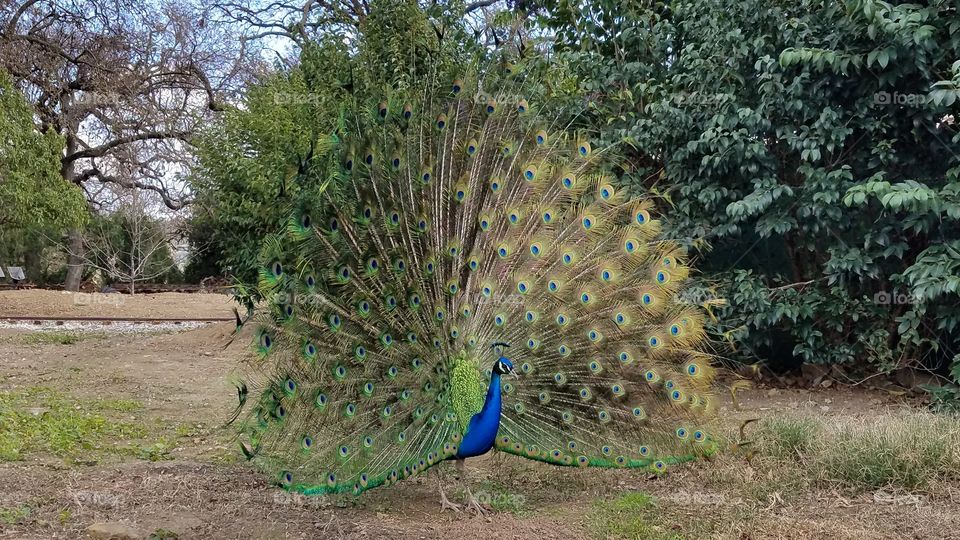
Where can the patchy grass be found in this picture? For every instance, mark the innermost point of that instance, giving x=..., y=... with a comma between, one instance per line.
x=186, y=431
x=787, y=437
x=120, y=405
x=55, y=337
x=792, y=458
x=41, y=420
x=909, y=450
x=158, y=451
x=14, y=515
x=631, y=515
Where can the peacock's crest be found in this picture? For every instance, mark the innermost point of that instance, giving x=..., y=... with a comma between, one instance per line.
x=456, y=217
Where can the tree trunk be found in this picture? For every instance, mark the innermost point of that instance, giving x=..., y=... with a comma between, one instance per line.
x=75, y=236
x=74, y=261
x=32, y=261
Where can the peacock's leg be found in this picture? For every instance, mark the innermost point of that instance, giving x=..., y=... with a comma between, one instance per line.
x=471, y=501
x=445, y=503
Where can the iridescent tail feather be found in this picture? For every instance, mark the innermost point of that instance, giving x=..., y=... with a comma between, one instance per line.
x=454, y=218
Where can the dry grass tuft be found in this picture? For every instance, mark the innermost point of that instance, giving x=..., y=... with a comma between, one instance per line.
x=908, y=450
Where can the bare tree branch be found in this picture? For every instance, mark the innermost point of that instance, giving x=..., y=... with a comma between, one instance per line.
x=161, y=190
x=124, y=83
x=101, y=150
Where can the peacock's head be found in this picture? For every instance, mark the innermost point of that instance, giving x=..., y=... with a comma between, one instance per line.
x=503, y=366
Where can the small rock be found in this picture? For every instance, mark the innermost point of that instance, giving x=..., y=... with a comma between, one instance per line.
x=115, y=530
x=773, y=392
x=827, y=383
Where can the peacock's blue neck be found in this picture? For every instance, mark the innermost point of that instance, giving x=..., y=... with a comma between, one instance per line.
x=482, y=429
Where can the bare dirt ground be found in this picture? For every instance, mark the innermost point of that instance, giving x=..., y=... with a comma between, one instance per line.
x=66, y=304
x=175, y=472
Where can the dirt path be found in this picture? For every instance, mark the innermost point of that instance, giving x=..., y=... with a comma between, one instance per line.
x=173, y=469
x=39, y=302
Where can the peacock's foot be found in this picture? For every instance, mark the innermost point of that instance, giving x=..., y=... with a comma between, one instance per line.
x=446, y=504
x=473, y=504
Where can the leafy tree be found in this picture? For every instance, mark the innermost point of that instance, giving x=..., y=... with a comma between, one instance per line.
x=33, y=193
x=776, y=134
x=258, y=155
x=37, y=204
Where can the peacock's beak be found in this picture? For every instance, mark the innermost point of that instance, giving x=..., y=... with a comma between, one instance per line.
x=514, y=374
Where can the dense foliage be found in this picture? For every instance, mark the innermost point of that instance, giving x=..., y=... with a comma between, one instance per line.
x=257, y=155
x=36, y=201
x=805, y=150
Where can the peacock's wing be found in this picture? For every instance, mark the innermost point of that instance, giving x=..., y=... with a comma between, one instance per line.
x=455, y=219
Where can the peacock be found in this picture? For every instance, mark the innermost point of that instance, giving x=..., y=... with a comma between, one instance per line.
x=470, y=277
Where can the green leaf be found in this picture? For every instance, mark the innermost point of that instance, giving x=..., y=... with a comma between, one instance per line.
x=883, y=58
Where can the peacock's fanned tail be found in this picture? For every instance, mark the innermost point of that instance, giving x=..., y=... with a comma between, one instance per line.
x=454, y=219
